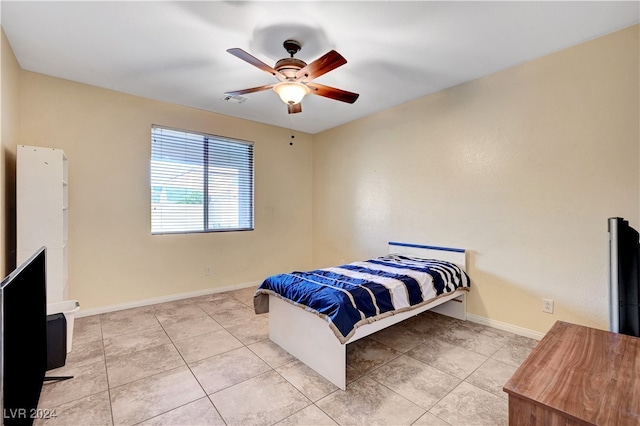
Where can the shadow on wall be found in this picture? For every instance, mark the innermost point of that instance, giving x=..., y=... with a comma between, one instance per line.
x=9, y=213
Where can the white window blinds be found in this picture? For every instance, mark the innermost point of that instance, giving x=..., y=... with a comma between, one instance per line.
x=200, y=183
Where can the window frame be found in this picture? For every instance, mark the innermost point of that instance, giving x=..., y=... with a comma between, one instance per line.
x=248, y=193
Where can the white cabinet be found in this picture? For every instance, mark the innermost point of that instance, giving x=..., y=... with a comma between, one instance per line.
x=42, y=214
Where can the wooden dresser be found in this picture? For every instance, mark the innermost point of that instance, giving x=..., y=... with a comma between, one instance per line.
x=578, y=375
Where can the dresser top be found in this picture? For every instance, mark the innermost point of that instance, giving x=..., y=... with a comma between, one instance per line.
x=583, y=373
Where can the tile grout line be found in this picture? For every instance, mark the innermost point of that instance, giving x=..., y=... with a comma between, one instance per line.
x=106, y=372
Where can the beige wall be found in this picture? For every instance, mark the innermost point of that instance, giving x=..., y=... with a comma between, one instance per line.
x=9, y=120
x=114, y=259
x=522, y=168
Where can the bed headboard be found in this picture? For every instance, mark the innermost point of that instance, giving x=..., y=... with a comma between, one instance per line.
x=449, y=254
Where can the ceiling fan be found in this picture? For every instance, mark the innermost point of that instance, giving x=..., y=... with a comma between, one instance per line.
x=295, y=77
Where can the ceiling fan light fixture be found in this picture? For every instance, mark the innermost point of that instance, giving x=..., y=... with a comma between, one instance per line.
x=291, y=92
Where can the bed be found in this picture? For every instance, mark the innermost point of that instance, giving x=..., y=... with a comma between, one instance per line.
x=313, y=317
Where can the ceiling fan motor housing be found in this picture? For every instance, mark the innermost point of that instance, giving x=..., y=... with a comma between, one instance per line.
x=289, y=66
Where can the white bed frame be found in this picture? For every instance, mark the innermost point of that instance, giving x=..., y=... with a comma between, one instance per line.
x=310, y=339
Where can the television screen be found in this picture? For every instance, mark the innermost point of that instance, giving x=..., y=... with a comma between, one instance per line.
x=23, y=302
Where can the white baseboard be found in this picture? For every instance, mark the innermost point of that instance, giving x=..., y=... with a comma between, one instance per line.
x=505, y=327
x=162, y=299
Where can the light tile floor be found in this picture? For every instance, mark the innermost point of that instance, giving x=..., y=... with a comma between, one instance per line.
x=208, y=361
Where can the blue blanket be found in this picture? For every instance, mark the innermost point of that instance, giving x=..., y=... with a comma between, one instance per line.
x=361, y=292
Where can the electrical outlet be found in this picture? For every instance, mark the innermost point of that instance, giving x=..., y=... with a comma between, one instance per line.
x=207, y=270
x=547, y=306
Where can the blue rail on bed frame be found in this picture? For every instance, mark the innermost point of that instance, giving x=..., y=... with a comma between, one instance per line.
x=457, y=250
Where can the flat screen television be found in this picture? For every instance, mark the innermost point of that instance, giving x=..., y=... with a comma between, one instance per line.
x=624, y=278
x=23, y=342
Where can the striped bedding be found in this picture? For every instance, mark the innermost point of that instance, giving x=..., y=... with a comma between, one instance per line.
x=358, y=293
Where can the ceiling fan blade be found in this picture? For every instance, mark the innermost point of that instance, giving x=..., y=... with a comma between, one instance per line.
x=295, y=108
x=332, y=93
x=320, y=66
x=251, y=90
x=239, y=53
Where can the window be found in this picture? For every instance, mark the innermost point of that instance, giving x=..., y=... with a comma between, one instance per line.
x=200, y=183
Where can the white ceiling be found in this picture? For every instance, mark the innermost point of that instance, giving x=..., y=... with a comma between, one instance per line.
x=396, y=51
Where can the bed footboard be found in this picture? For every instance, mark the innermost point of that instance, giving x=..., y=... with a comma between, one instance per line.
x=309, y=338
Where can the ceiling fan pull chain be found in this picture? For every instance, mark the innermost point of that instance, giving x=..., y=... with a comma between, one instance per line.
x=292, y=135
